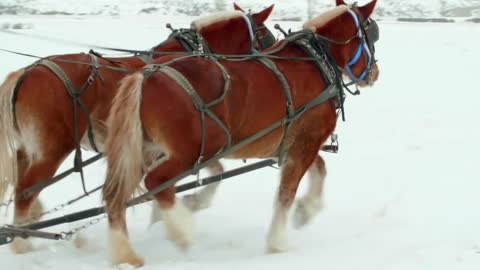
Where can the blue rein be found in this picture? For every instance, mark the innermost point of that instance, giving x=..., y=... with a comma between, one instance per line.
x=361, y=47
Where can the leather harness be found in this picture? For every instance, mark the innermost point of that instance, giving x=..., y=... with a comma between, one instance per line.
x=305, y=40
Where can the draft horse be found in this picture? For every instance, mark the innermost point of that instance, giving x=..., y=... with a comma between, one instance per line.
x=185, y=115
x=40, y=127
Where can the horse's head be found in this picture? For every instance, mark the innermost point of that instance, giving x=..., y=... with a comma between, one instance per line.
x=235, y=32
x=263, y=37
x=351, y=35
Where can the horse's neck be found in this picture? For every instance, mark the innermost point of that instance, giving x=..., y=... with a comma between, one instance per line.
x=170, y=45
x=135, y=62
x=338, y=53
x=289, y=50
x=132, y=62
x=295, y=50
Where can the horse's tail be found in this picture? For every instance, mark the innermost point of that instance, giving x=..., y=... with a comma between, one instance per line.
x=124, y=144
x=8, y=134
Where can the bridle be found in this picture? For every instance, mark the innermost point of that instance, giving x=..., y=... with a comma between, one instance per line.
x=366, y=45
x=194, y=42
x=266, y=40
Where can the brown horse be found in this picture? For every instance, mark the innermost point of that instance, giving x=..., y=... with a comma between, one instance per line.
x=180, y=111
x=37, y=117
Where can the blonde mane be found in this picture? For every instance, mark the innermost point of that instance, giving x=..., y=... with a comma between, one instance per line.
x=203, y=22
x=322, y=19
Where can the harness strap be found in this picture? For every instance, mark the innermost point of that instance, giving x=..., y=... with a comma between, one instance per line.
x=321, y=62
x=198, y=103
x=288, y=97
x=326, y=67
x=190, y=40
x=328, y=93
x=15, y=95
x=251, y=25
x=203, y=46
x=75, y=94
x=185, y=84
x=226, y=88
x=146, y=58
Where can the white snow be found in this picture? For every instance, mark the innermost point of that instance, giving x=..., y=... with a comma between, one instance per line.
x=284, y=8
x=403, y=193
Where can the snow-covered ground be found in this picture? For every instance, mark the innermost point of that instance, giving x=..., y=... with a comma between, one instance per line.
x=403, y=193
x=284, y=8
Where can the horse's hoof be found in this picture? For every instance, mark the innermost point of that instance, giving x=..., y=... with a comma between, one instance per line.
x=300, y=216
x=274, y=250
x=194, y=202
x=277, y=248
x=120, y=250
x=21, y=246
x=156, y=215
x=179, y=225
x=183, y=239
x=191, y=202
x=132, y=260
x=277, y=242
x=304, y=213
x=80, y=241
x=137, y=262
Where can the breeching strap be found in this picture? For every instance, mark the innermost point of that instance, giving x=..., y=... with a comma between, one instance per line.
x=75, y=94
x=288, y=97
x=199, y=104
x=330, y=92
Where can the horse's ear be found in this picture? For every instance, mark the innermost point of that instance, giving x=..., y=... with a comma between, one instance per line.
x=340, y=2
x=367, y=9
x=262, y=16
x=237, y=7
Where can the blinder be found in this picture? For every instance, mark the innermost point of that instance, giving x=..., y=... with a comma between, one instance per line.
x=266, y=40
x=192, y=41
x=372, y=32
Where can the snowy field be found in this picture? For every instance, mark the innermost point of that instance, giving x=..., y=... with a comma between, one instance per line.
x=403, y=193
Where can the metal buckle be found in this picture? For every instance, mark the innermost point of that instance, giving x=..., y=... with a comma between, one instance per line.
x=334, y=146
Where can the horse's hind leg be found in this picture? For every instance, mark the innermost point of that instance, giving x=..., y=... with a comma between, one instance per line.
x=177, y=217
x=297, y=161
x=202, y=199
x=312, y=202
x=121, y=251
x=28, y=210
